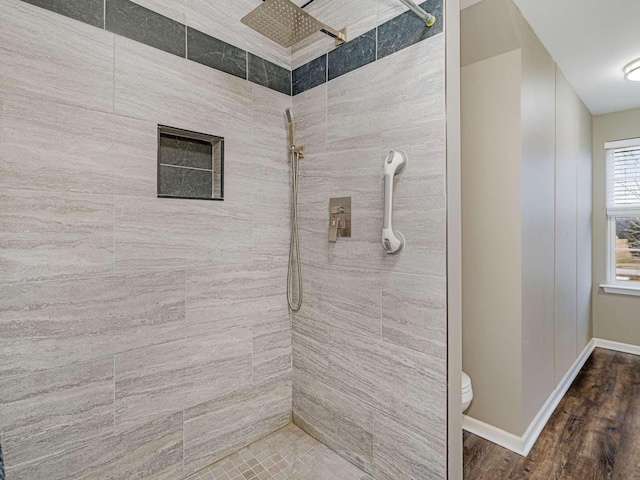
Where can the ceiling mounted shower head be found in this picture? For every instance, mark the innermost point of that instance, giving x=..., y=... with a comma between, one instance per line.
x=287, y=24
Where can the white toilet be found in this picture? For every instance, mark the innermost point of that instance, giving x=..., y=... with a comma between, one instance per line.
x=467, y=391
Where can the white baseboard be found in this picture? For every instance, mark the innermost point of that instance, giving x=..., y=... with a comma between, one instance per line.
x=522, y=445
x=617, y=346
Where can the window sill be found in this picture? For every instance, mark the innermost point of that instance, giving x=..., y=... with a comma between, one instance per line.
x=621, y=289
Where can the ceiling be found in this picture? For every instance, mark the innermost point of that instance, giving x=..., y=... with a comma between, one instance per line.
x=591, y=41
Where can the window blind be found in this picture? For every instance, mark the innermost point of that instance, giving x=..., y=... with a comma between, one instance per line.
x=623, y=179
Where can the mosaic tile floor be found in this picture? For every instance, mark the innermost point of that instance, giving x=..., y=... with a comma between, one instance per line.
x=288, y=454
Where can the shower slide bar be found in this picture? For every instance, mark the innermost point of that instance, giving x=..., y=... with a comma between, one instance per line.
x=426, y=17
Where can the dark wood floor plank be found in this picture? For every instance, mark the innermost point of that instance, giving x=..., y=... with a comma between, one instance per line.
x=594, y=434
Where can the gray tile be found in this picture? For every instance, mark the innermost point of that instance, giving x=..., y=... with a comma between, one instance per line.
x=185, y=182
x=172, y=233
x=223, y=297
x=272, y=348
x=49, y=235
x=414, y=313
x=366, y=101
x=56, y=410
x=271, y=232
x=50, y=324
x=145, y=26
x=310, y=75
x=268, y=74
x=218, y=428
x=216, y=54
x=2, y=473
x=163, y=379
x=168, y=8
x=401, y=452
x=181, y=94
x=404, y=384
x=185, y=152
x=310, y=110
x=60, y=58
x=238, y=170
x=87, y=11
x=313, y=227
x=407, y=29
x=352, y=55
x=92, y=152
x=153, y=451
x=310, y=348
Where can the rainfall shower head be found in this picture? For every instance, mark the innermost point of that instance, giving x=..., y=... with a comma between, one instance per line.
x=286, y=23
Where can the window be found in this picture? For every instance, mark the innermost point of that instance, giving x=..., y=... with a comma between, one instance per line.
x=623, y=214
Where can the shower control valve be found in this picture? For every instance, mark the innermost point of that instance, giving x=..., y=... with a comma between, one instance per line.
x=339, y=218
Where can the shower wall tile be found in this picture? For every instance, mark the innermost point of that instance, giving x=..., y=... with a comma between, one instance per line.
x=310, y=109
x=185, y=152
x=352, y=55
x=49, y=324
x=313, y=227
x=408, y=29
x=163, y=379
x=217, y=428
x=272, y=348
x=368, y=99
x=271, y=175
x=310, y=75
x=271, y=233
x=424, y=143
x=341, y=168
x=401, y=452
x=222, y=20
x=237, y=295
x=173, y=9
x=216, y=54
x=145, y=26
x=414, y=313
x=238, y=170
x=269, y=121
x=182, y=94
x=409, y=386
x=310, y=346
x=49, y=412
x=87, y=11
x=153, y=450
x=185, y=182
x=358, y=16
x=48, y=235
x=268, y=74
x=172, y=233
x=59, y=58
x=51, y=146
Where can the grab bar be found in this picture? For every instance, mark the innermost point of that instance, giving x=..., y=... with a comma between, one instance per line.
x=392, y=241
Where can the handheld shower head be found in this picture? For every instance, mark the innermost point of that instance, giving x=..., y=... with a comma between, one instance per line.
x=292, y=127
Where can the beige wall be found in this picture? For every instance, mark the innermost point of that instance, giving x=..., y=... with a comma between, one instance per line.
x=546, y=141
x=615, y=317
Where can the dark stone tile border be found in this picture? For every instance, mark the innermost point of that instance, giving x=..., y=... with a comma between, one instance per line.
x=133, y=21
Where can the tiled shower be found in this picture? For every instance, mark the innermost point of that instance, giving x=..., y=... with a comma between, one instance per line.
x=149, y=338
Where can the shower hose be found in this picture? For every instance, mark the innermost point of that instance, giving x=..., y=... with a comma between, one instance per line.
x=295, y=271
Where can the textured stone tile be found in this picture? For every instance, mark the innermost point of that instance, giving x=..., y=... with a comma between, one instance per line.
x=310, y=75
x=185, y=182
x=87, y=11
x=400, y=452
x=47, y=55
x=47, y=235
x=272, y=348
x=341, y=169
x=51, y=146
x=221, y=426
x=414, y=313
x=216, y=54
x=222, y=20
x=49, y=324
x=310, y=110
x=56, y=410
x=310, y=347
x=352, y=55
x=404, y=384
x=223, y=297
x=169, y=8
x=163, y=379
x=344, y=423
x=367, y=100
x=145, y=26
x=271, y=233
x=185, y=152
x=268, y=74
x=172, y=233
x=407, y=29
x=358, y=16
x=313, y=228
x=424, y=144
x=181, y=94
x=238, y=170
x=153, y=451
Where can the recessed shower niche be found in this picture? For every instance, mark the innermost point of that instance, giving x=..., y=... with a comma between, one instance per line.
x=190, y=164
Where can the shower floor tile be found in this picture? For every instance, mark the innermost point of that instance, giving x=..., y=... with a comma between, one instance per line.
x=288, y=454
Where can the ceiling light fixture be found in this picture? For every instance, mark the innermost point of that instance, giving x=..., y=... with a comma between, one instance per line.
x=632, y=71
